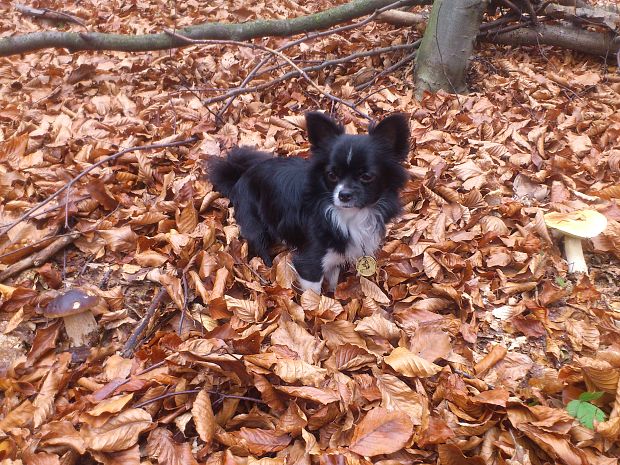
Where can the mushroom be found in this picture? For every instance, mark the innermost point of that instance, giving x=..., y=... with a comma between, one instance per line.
x=577, y=225
x=74, y=308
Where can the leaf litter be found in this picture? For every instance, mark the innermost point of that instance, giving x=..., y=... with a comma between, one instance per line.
x=470, y=345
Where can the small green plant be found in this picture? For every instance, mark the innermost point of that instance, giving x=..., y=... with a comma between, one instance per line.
x=584, y=411
x=560, y=281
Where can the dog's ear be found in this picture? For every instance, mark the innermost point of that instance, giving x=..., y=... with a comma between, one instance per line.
x=321, y=129
x=393, y=131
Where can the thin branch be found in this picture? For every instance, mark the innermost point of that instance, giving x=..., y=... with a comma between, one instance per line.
x=190, y=263
x=24, y=43
x=36, y=259
x=252, y=74
x=281, y=56
x=572, y=38
x=45, y=13
x=104, y=160
x=308, y=69
x=196, y=391
x=132, y=342
x=403, y=61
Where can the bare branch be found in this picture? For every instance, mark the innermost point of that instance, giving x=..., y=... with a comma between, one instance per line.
x=44, y=13
x=287, y=60
x=104, y=160
x=38, y=258
x=221, y=31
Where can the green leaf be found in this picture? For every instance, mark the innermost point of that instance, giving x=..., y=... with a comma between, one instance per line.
x=572, y=407
x=590, y=396
x=560, y=281
x=585, y=412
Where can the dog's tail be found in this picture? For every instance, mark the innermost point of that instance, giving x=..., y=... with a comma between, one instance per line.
x=224, y=173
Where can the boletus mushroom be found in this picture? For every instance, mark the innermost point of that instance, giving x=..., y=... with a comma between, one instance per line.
x=74, y=307
x=575, y=226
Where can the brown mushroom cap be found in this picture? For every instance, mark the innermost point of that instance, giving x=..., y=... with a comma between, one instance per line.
x=72, y=302
x=582, y=223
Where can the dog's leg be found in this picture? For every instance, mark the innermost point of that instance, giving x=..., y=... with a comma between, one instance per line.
x=307, y=264
x=313, y=285
x=331, y=276
x=253, y=230
x=332, y=261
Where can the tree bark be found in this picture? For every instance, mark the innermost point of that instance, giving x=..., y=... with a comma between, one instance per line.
x=448, y=42
x=74, y=41
x=565, y=36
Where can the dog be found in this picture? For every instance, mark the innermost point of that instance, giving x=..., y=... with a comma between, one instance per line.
x=331, y=208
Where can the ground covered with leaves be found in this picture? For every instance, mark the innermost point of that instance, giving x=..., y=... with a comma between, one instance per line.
x=471, y=344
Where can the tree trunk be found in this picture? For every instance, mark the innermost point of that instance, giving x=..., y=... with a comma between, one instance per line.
x=448, y=42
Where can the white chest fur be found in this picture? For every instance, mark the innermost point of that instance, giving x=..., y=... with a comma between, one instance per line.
x=363, y=229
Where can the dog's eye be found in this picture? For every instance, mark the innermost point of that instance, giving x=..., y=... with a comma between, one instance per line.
x=333, y=177
x=367, y=177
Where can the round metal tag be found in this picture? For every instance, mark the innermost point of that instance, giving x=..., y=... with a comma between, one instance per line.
x=366, y=265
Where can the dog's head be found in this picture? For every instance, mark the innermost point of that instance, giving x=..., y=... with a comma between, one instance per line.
x=358, y=169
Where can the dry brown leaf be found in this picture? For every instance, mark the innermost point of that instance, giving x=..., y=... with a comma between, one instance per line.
x=373, y=291
x=293, y=371
x=320, y=305
x=129, y=456
x=202, y=413
x=167, y=451
x=63, y=434
x=496, y=354
x=407, y=363
x=397, y=395
x=118, y=433
x=119, y=239
x=44, y=402
x=381, y=432
x=298, y=339
x=261, y=441
x=322, y=396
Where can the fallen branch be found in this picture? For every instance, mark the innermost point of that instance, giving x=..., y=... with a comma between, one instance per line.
x=293, y=74
x=104, y=160
x=403, y=61
x=281, y=56
x=401, y=18
x=44, y=13
x=566, y=36
x=136, y=336
x=378, y=14
x=38, y=258
x=196, y=391
x=74, y=42
x=585, y=15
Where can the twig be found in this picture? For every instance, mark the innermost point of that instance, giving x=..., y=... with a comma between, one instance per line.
x=389, y=69
x=252, y=74
x=512, y=6
x=36, y=259
x=196, y=391
x=308, y=69
x=104, y=160
x=280, y=55
x=23, y=43
x=532, y=12
x=48, y=14
x=132, y=342
x=185, y=291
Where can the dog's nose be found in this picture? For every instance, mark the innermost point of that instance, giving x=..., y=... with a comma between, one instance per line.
x=345, y=196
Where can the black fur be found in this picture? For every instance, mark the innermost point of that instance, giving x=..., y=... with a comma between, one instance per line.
x=292, y=200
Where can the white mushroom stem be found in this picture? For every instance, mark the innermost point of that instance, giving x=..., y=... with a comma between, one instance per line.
x=79, y=327
x=574, y=255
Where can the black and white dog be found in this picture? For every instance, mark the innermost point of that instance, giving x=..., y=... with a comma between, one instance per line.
x=332, y=208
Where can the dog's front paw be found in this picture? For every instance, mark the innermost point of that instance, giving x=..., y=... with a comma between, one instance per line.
x=312, y=285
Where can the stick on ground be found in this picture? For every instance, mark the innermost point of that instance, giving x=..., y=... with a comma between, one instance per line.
x=38, y=258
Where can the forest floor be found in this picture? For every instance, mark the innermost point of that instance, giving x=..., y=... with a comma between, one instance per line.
x=466, y=347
